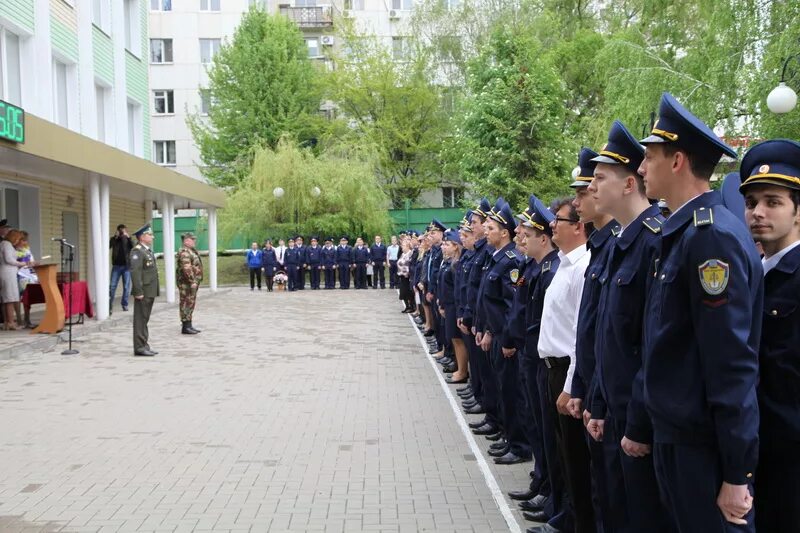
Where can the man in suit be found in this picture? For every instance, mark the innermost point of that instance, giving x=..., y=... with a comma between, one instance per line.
x=314, y=262
x=144, y=289
x=328, y=257
x=377, y=254
x=302, y=263
x=343, y=262
x=360, y=259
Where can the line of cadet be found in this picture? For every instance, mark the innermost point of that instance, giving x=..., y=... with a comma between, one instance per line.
x=649, y=366
x=328, y=262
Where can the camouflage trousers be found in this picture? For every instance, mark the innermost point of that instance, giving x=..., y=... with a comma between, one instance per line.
x=188, y=297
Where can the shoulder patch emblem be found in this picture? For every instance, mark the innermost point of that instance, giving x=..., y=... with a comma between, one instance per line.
x=714, y=275
x=653, y=224
x=510, y=254
x=514, y=275
x=703, y=216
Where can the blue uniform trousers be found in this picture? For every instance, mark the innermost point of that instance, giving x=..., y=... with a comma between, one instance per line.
x=511, y=400
x=344, y=275
x=778, y=486
x=361, y=276
x=601, y=499
x=689, y=477
x=532, y=422
x=378, y=273
x=474, y=352
x=491, y=402
x=313, y=274
x=330, y=277
x=635, y=503
x=301, y=278
x=291, y=273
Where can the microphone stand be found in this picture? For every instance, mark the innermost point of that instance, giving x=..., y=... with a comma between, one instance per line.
x=70, y=260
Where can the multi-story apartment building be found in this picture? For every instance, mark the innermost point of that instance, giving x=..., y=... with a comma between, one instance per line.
x=185, y=35
x=75, y=144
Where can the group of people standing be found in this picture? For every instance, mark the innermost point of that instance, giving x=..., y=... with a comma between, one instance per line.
x=649, y=364
x=366, y=265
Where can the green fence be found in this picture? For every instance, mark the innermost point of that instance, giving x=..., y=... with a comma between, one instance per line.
x=416, y=219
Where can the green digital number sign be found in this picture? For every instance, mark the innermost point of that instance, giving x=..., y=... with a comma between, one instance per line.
x=12, y=122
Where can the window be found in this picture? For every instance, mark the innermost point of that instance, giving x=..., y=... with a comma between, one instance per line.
x=205, y=101
x=451, y=4
x=208, y=49
x=61, y=92
x=100, y=15
x=209, y=5
x=132, y=27
x=354, y=4
x=305, y=3
x=313, y=47
x=164, y=102
x=160, y=51
x=451, y=196
x=406, y=5
x=10, y=67
x=134, y=129
x=164, y=152
x=161, y=5
x=398, y=48
x=101, y=105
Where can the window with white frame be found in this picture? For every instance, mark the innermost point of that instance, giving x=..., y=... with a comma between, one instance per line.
x=10, y=67
x=313, y=47
x=160, y=51
x=101, y=105
x=209, y=5
x=399, y=45
x=205, y=101
x=160, y=5
x=451, y=196
x=134, y=129
x=133, y=29
x=61, y=92
x=164, y=102
x=164, y=153
x=405, y=5
x=354, y=5
x=305, y=3
x=208, y=49
x=101, y=14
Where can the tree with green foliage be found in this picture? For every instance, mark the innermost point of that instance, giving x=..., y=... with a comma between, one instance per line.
x=330, y=194
x=394, y=106
x=261, y=86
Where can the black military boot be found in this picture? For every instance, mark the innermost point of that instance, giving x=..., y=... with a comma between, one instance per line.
x=187, y=328
x=191, y=326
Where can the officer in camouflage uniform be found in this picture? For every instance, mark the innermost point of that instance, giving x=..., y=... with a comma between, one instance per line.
x=144, y=288
x=189, y=275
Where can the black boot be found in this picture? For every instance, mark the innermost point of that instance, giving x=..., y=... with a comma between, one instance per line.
x=191, y=326
x=187, y=328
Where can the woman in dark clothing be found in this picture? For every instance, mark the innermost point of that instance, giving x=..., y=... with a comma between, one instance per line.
x=403, y=273
x=451, y=250
x=269, y=262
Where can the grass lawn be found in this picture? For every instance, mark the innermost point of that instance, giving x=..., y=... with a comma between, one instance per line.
x=231, y=270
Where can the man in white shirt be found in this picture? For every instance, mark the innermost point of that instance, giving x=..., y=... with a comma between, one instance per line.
x=557, y=350
x=280, y=253
x=392, y=255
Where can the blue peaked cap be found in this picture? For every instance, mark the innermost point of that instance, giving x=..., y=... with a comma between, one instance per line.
x=586, y=164
x=483, y=208
x=773, y=162
x=622, y=148
x=502, y=214
x=452, y=236
x=537, y=215
x=731, y=197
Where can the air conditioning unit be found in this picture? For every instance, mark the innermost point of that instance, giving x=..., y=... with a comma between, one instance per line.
x=346, y=13
x=394, y=14
x=327, y=40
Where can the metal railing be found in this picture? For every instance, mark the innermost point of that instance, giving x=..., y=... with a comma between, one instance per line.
x=309, y=17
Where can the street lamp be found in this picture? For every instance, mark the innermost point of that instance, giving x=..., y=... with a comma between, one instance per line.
x=278, y=193
x=783, y=99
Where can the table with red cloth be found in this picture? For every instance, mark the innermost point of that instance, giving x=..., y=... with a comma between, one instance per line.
x=79, y=290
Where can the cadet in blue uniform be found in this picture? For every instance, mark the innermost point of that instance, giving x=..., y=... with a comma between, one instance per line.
x=618, y=191
x=291, y=261
x=467, y=238
x=302, y=263
x=344, y=258
x=771, y=189
x=360, y=260
x=599, y=244
x=496, y=299
x=377, y=253
x=452, y=250
x=269, y=261
x=432, y=264
x=328, y=258
x=701, y=333
x=314, y=262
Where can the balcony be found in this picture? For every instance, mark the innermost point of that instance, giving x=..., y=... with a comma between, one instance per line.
x=308, y=17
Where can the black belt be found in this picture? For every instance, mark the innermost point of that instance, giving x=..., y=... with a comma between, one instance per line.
x=555, y=362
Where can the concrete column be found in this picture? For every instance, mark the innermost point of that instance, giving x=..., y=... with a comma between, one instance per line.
x=168, y=225
x=96, y=247
x=212, y=248
x=103, y=251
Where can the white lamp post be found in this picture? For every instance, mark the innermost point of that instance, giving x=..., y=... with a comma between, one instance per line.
x=782, y=99
x=278, y=192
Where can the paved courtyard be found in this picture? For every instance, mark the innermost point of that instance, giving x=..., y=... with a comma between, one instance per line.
x=309, y=411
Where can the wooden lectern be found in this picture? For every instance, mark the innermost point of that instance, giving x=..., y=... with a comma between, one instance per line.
x=53, y=319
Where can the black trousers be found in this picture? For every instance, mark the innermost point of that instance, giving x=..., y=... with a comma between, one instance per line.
x=300, y=284
x=313, y=274
x=392, y=274
x=255, y=274
x=777, y=485
x=475, y=375
x=361, y=275
x=574, y=455
x=269, y=282
x=559, y=509
x=379, y=273
x=532, y=419
x=330, y=277
x=344, y=275
x=511, y=399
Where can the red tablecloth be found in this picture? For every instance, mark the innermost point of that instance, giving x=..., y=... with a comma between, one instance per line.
x=81, y=302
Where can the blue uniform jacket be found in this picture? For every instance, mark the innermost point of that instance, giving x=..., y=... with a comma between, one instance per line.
x=269, y=260
x=582, y=382
x=778, y=394
x=701, y=336
x=291, y=258
x=446, y=284
x=620, y=314
x=360, y=255
x=462, y=280
x=482, y=254
x=535, y=303
x=433, y=265
x=301, y=255
x=497, y=291
x=517, y=326
x=313, y=256
x=378, y=252
x=328, y=256
x=344, y=255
